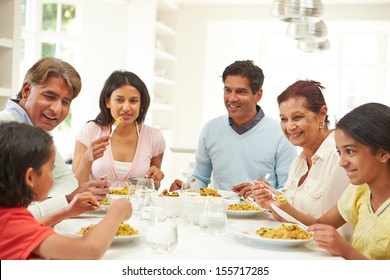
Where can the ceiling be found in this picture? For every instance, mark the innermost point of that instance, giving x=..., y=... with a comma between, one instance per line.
x=263, y=2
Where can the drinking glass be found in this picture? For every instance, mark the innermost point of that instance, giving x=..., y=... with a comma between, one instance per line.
x=213, y=219
x=162, y=234
x=139, y=199
x=189, y=188
x=146, y=183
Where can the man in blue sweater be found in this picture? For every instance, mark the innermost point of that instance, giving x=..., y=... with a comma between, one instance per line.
x=244, y=144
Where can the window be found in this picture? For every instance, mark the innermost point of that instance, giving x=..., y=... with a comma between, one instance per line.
x=51, y=28
x=355, y=70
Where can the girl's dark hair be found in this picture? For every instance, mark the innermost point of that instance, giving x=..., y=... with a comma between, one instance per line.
x=369, y=124
x=21, y=146
x=247, y=69
x=116, y=80
x=310, y=90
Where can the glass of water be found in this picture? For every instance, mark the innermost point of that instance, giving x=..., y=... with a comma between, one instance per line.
x=139, y=199
x=162, y=234
x=213, y=219
x=146, y=183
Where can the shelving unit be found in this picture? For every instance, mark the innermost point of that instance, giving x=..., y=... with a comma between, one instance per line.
x=164, y=65
x=10, y=28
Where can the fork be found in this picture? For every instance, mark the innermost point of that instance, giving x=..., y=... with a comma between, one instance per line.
x=265, y=178
x=117, y=122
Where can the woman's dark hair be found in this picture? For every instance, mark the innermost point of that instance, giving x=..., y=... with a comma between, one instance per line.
x=369, y=124
x=116, y=80
x=247, y=69
x=21, y=146
x=310, y=90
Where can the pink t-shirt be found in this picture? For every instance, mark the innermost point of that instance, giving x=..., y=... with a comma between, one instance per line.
x=151, y=144
x=20, y=233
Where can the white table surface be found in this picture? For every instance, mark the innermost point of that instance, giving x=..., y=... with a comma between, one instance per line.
x=193, y=244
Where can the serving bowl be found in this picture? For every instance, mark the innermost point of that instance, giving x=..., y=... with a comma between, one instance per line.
x=173, y=206
x=194, y=206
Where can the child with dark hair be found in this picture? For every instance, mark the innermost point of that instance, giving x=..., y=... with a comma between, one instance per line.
x=363, y=142
x=27, y=157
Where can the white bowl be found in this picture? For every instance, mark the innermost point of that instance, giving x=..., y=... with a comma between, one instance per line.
x=194, y=206
x=173, y=206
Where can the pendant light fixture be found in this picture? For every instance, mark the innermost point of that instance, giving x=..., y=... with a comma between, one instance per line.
x=313, y=46
x=297, y=11
x=316, y=31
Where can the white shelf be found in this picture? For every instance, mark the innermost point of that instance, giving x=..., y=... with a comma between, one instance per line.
x=6, y=43
x=164, y=65
x=169, y=5
x=163, y=55
x=10, y=30
x=164, y=30
x=183, y=150
x=163, y=81
x=5, y=92
x=161, y=106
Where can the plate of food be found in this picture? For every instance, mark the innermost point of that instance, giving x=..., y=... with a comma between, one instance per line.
x=122, y=191
x=105, y=204
x=218, y=193
x=244, y=209
x=78, y=227
x=285, y=235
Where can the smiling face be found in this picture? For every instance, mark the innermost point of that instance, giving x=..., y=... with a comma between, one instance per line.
x=239, y=99
x=299, y=124
x=125, y=102
x=47, y=104
x=361, y=165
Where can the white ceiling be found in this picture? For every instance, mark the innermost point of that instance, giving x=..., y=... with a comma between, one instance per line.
x=243, y=2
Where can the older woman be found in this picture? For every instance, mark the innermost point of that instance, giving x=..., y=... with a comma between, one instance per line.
x=315, y=181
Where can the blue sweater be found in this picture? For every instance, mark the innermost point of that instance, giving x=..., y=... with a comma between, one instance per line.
x=232, y=158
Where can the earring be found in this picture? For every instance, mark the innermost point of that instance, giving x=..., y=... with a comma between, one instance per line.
x=322, y=125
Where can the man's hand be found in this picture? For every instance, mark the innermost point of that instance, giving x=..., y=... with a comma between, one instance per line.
x=243, y=189
x=99, y=188
x=176, y=185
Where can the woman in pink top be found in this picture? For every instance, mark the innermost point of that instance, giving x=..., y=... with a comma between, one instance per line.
x=133, y=149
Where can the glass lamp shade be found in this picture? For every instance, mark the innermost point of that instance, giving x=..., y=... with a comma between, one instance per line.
x=313, y=30
x=313, y=45
x=297, y=11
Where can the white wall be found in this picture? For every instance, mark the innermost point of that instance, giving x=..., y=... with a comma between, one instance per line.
x=116, y=37
x=199, y=83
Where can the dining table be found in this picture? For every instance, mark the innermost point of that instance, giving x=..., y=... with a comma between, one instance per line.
x=194, y=244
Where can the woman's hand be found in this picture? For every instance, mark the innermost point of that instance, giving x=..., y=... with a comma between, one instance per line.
x=155, y=173
x=245, y=189
x=263, y=197
x=96, y=149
